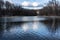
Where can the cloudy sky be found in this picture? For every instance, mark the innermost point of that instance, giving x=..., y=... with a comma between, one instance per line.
x=19, y=2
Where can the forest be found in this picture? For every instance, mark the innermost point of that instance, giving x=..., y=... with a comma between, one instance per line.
x=9, y=9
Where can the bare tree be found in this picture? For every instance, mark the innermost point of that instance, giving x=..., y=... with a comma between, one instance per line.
x=1, y=3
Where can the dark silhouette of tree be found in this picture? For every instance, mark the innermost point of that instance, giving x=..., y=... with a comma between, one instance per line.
x=13, y=10
x=1, y=3
x=8, y=5
x=1, y=7
x=52, y=9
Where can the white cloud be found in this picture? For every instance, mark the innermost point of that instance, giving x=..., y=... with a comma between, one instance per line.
x=25, y=3
x=35, y=4
x=33, y=8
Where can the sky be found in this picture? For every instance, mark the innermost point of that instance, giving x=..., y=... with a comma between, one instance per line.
x=19, y=2
x=31, y=1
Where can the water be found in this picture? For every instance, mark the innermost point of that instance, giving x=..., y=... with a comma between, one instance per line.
x=35, y=30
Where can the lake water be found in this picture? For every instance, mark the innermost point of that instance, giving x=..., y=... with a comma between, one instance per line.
x=32, y=30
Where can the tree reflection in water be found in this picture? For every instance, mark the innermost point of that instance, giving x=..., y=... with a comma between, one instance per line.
x=42, y=32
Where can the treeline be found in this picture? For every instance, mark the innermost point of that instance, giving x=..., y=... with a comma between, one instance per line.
x=51, y=9
x=9, y=9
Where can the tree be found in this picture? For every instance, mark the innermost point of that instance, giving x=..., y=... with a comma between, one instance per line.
x=8, y=5
x=1, y=3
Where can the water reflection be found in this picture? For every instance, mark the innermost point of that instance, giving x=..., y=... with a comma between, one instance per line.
x=28, y=31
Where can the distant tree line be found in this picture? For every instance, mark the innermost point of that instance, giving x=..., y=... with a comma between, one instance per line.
x=51, y=9
x=9, y=9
